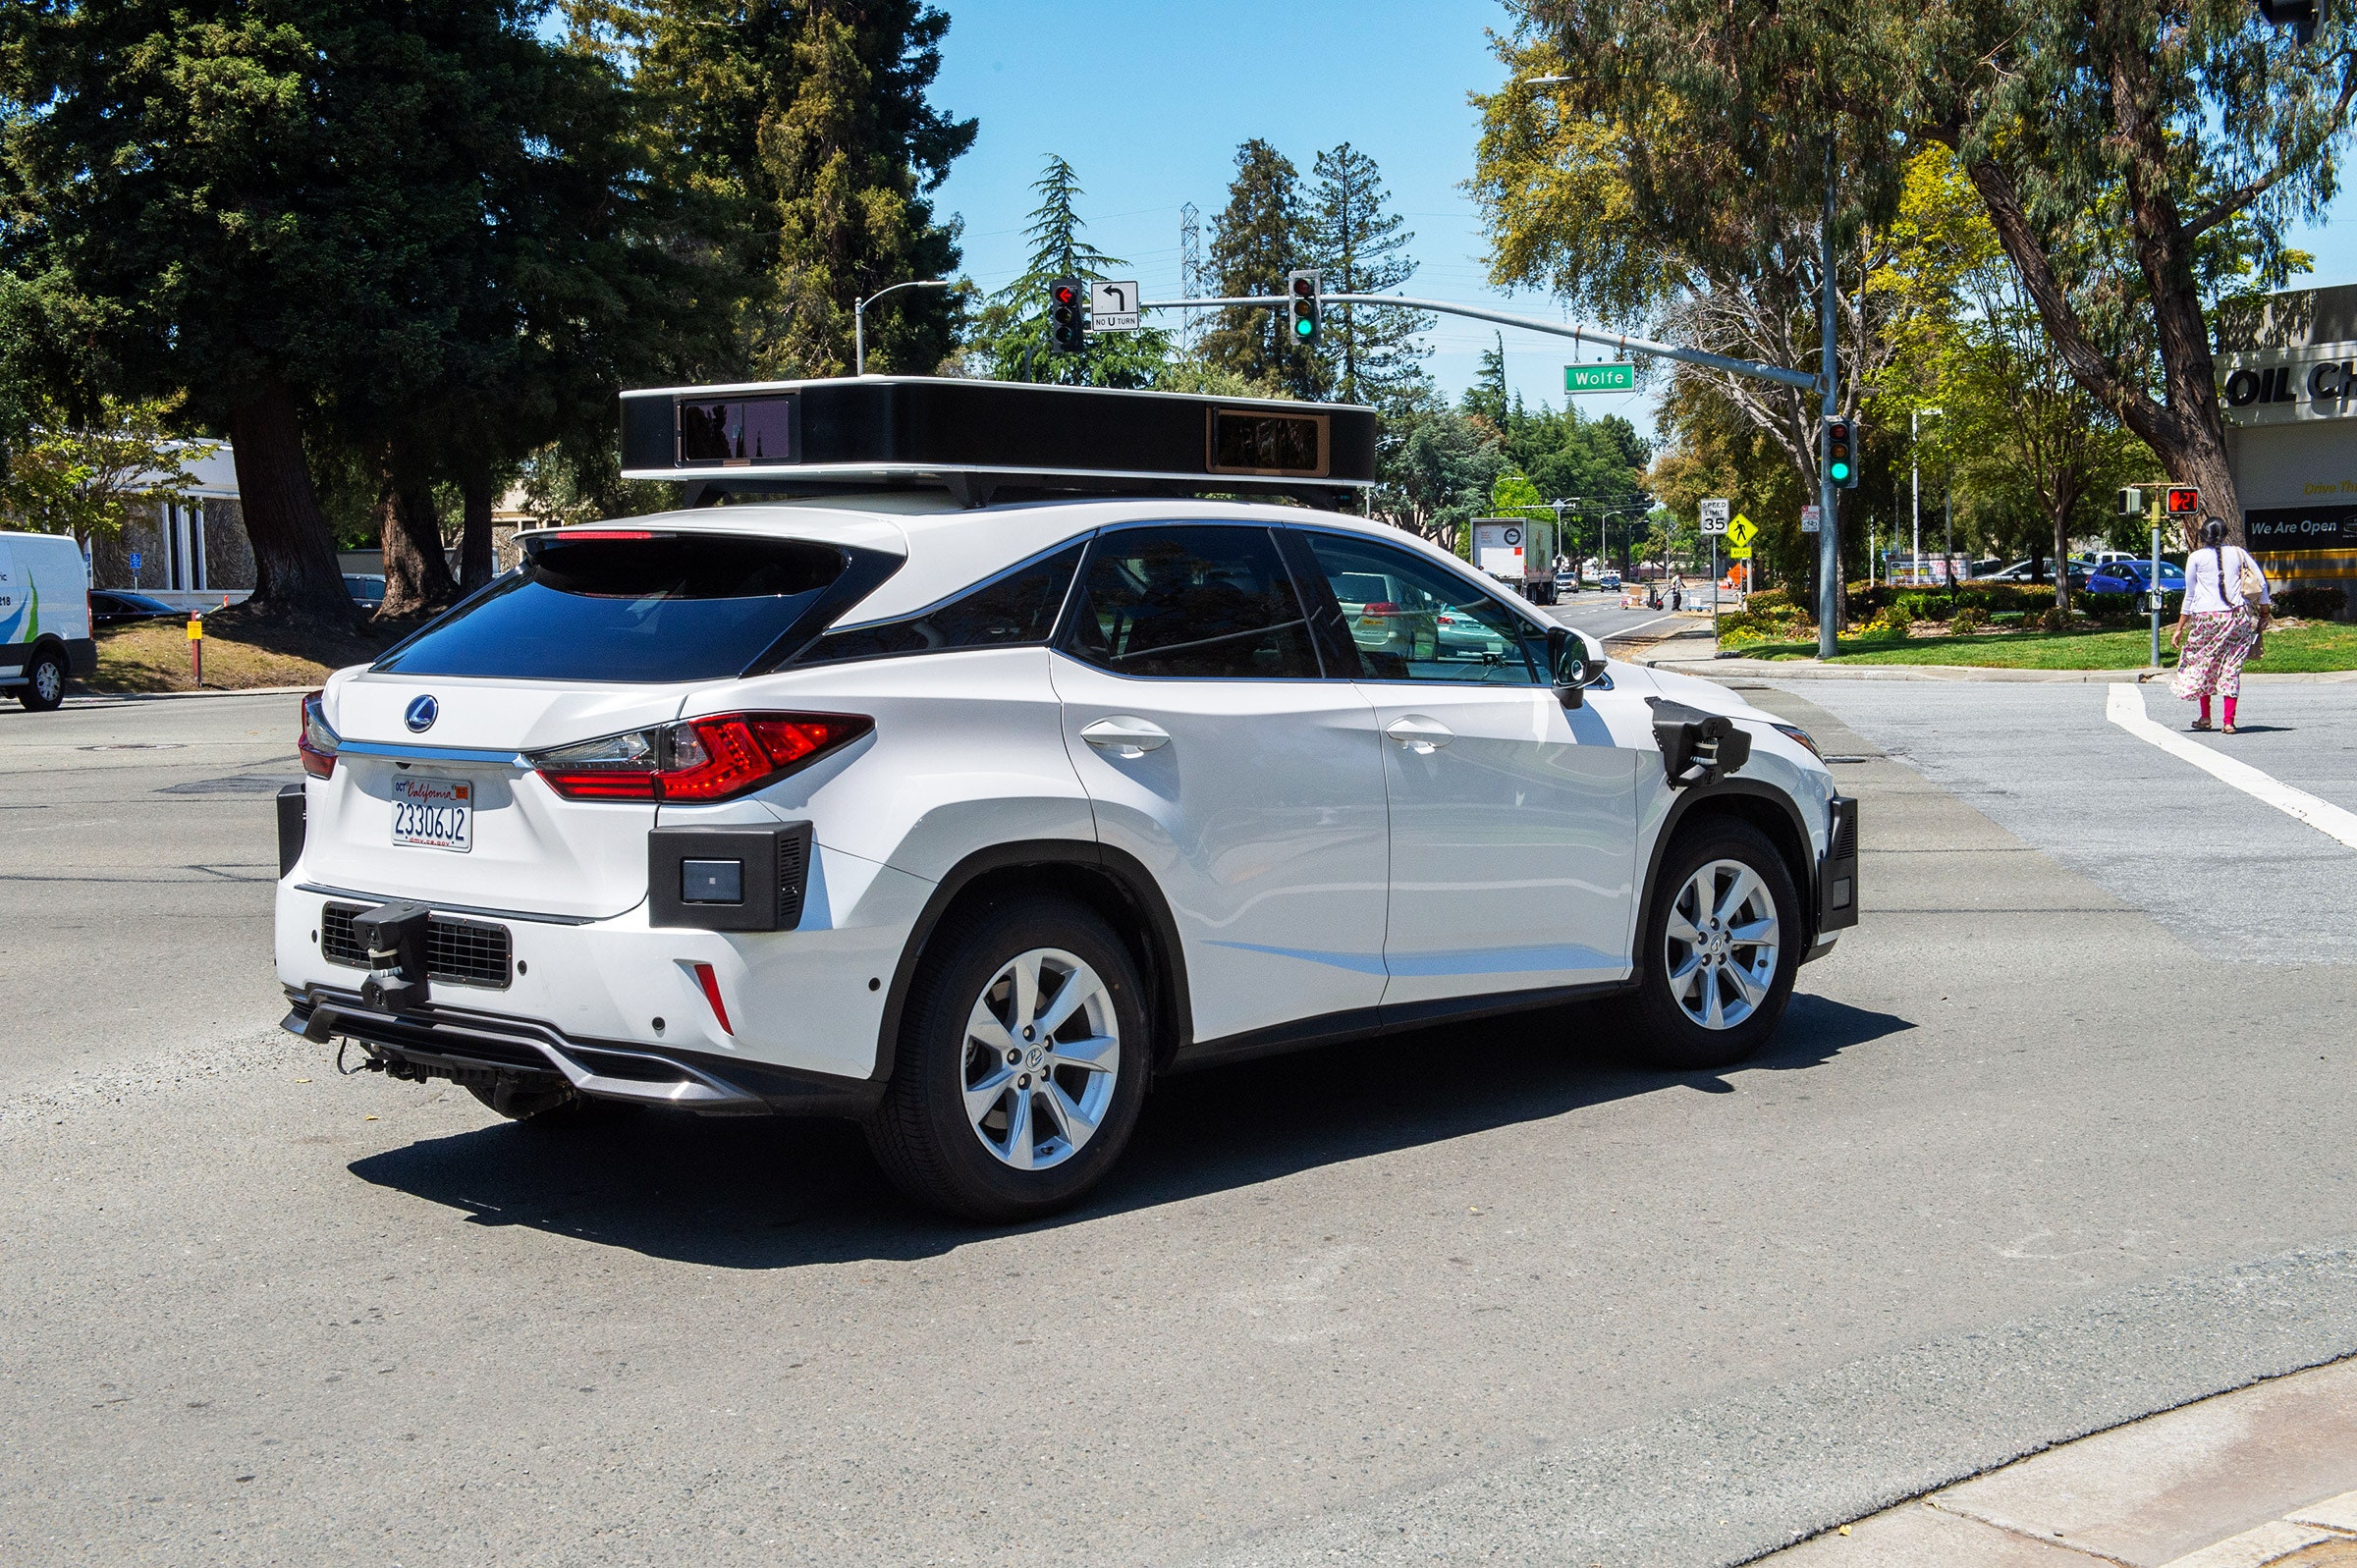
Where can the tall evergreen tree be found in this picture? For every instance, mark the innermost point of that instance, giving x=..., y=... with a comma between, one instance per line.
x=807, y=122
x=1255, y=240
x=1011, y=339
x=1372, y=352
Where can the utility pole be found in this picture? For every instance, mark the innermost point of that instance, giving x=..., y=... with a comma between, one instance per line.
x=1829, y=496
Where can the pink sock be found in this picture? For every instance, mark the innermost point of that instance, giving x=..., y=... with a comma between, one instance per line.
x=2230, y=710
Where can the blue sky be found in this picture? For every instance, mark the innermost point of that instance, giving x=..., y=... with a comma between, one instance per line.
x=1148, y=101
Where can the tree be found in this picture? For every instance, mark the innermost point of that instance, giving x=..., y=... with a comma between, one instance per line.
x=1012, y=340
x=1255, y=240
x=82, y=479
x=1373, y=352
x=2134, y=156
x=230, y=185
x=807, y=123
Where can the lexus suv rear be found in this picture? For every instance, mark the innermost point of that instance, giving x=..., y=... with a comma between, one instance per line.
x=971, y=823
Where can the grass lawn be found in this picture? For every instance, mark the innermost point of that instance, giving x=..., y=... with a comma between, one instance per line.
x=154, y=655
x=2312, y=646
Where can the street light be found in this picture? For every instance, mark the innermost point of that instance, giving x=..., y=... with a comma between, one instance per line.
x=859, y=318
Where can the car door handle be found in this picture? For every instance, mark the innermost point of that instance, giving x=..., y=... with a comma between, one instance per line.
x=1419, y=735
x=1125, y=735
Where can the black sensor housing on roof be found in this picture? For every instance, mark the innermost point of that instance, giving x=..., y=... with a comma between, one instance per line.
x=982, y=440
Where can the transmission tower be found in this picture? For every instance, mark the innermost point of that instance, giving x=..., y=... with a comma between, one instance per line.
x=1191, y=276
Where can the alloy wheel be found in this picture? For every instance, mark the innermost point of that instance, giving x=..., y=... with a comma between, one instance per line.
x=1721, y=943
x=1042, y=1052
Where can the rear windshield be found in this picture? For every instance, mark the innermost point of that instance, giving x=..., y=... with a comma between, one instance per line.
x=660, y=608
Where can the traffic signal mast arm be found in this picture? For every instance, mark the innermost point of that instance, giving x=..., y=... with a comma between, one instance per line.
x=1558, y=329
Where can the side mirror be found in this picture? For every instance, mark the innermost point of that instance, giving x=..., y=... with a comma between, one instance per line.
x=1573, y=670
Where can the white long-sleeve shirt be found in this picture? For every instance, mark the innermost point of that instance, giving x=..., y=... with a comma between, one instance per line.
x=2205, y=593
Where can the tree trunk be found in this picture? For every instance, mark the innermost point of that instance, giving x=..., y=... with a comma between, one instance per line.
x=475, y=563
x=416, y=570
x=295, y=576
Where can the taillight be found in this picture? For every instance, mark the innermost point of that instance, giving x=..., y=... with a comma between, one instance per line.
x=1380, y=607
x=715, y=758
x=315, y=743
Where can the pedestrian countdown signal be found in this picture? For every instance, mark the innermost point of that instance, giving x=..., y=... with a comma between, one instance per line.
x=2184, y=500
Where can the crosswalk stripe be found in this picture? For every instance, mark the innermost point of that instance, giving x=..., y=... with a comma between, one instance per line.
x=2124, y=707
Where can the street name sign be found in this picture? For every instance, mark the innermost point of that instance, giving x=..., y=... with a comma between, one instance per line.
x=1617, y=377
x=1811, y=519
x=1113, y=307
x=1714, y=517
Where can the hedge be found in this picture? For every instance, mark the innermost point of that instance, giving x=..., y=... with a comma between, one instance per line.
x=2321, y=602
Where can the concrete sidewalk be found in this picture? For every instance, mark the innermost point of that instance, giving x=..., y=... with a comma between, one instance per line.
x=1711, y=668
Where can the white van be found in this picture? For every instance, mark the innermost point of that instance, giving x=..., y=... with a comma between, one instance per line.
x=44, y=617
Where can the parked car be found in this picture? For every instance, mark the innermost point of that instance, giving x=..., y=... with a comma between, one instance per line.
x=2019, y=572
x=114, y=607
x=44, y=617
x=367, y=591
x=2125, y=575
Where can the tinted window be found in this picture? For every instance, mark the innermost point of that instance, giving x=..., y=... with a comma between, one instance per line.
x=1201, y=603
x=1017, y=607
x=667, y=607
x=1412, y=620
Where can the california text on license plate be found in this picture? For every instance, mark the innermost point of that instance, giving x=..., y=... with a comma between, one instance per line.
x=437, y=813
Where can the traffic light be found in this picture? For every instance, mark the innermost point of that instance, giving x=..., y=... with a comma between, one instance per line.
x=1840, y=454
x=2300, y=16
x=1303, y=290
x=2131, y=502
x=2184, y=501
x=1067, y=320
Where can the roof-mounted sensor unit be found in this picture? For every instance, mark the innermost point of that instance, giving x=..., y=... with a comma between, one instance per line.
x=986, y=439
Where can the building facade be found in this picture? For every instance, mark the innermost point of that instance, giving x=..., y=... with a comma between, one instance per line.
x=190, y=552
x=2287, y=378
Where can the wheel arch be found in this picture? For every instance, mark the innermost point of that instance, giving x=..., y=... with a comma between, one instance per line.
x=1757, y=805
x=1111, y=882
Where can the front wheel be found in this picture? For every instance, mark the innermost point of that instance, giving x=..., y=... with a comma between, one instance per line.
x=45, y=682
x=1721, y=945
x=1021, y=1063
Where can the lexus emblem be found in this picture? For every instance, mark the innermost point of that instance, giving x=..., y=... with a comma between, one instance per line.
x=424, y=711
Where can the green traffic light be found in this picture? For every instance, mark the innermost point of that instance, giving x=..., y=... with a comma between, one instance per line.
x=1305, y=327
x=1840, y=471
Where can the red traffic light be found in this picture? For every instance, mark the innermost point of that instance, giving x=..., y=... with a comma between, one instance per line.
x=1304, y=288
x=2184, y=500
x=1065, y=294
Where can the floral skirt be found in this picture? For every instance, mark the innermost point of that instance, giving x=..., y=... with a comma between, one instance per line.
x=2214, y=649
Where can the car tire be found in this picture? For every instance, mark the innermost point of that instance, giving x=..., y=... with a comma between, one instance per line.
x=1686, y=962
x=44, y=685
x=985, y=1119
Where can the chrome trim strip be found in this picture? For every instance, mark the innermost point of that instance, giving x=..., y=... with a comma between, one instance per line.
x=401, y=753
x=374, y=899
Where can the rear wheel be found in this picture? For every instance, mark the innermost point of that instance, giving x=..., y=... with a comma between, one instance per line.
x=1021, y=1063
x=45, y=682
x=1720, y=946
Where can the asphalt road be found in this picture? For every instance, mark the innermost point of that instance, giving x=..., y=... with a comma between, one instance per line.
x=2041, y=1147
x=1600, y=615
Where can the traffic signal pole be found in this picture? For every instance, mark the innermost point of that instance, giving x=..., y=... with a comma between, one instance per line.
x=1556, y=329
x=1829, y=494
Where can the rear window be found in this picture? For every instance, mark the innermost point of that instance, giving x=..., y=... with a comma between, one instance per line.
x=655, y=607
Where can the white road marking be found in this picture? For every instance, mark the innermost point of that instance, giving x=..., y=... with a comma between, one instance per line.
x=1613, y=636
x=2124, y=707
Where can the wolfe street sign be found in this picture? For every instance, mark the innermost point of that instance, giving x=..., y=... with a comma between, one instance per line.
x=1600, y=378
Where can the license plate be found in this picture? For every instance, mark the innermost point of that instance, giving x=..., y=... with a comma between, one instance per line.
x=434, y=813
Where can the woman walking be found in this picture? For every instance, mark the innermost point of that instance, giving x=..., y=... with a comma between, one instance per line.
x=2223, y=614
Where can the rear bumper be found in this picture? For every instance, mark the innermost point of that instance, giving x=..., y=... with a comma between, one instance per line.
x=481, y=1047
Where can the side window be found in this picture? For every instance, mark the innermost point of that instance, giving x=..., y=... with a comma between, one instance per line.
x=1410, y=620
x=1013, y=609
x=1191, y=603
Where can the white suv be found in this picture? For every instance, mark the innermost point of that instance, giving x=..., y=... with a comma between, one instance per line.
x=971, y=823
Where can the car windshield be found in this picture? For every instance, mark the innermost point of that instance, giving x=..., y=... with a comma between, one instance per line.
x=627, y=606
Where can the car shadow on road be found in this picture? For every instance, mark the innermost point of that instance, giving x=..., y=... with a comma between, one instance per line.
x=776, y=1193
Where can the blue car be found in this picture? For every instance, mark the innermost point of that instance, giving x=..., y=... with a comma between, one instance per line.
x=2131, y=576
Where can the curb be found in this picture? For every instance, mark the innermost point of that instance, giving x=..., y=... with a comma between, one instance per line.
x=1815, y=669
x=108, y=699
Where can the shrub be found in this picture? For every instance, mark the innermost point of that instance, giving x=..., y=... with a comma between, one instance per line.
x=1922, y=606
x=2055, y=618
x=1973, y=599
x=1892, y=620
x=1969, y=620
x=2316, y=602
x=2110, y=603
x=1773, y=599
